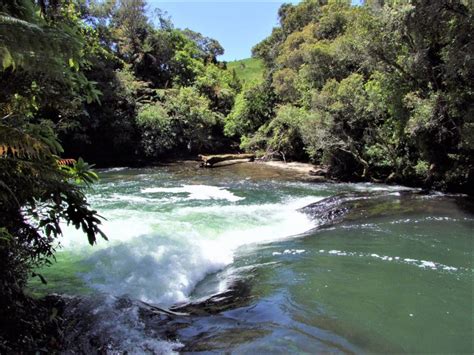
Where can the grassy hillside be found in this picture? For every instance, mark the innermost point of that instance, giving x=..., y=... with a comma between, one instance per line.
x=248, y=70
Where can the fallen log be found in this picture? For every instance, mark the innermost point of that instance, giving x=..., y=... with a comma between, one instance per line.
x=319, y=171
x=209, y=160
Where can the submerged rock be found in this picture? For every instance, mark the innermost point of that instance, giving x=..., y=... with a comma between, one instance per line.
x=358, y=206
x=105, y=324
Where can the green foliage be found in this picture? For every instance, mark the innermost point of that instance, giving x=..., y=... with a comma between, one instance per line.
x=35, y=40
x=158, y=132
x=81, y=172
x=422, y=168
x=219, y=86
x=183, y=121
x=36, y=194
x=208, y=48
x=43, y=73
x=282, y=135
x=253, y=107
x=130, y=27
x=139, y=69
x=389, y=93
x=195, y=117
x=169, y=57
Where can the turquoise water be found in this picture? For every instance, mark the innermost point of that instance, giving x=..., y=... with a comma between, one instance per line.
x=395, y=275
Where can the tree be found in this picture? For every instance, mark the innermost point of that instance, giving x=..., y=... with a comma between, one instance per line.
x=219, y=86
x=130, y=27
x=37, y=191
x=182, y=122
x=281, y=136
x=253, y=107
x=209, y=48
x=392, y=93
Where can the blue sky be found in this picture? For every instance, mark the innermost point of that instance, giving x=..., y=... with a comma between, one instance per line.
x=237, y=25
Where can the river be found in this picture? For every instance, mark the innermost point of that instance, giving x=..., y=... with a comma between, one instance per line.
x=391, y=272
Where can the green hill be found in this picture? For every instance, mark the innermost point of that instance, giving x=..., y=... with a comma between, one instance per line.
x=248, y=70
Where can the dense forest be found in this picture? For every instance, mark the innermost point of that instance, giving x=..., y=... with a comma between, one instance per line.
x=376, y=92
x=379, y=92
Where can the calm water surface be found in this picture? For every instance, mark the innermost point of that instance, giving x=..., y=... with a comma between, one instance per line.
x=394, y=277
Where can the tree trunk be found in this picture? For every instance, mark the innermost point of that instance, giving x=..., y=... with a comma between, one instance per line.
x=209, y=160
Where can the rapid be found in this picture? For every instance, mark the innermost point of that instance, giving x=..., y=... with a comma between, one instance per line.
x=378, y=269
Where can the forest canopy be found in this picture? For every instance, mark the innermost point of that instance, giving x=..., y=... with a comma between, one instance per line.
x=382, y=91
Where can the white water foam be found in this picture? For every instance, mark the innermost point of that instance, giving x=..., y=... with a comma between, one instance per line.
x=118, y=324
x=111, y=170
x=423, y=264
x=159, y=257
x=159, y=254
x=368, y=186
x=289, y=251
x=197, y=192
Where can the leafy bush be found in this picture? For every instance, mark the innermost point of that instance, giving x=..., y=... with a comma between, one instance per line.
x=183, y=122
x=36, y=193
x=253, y=107
x=157, y=129
x=219, y=86
x=281, y=135
x=422, y=168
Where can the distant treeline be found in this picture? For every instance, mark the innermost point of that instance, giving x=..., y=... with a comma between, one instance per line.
x=381, y=92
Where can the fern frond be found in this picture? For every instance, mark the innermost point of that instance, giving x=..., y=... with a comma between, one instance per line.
x=6, y=19
x=36, y=47
x=18, y=144
x=62, y=162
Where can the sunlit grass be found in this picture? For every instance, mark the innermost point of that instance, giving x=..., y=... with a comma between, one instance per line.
x=248, y=70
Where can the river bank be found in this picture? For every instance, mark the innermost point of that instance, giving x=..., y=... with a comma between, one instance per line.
x=306, y=171
x=300, y=170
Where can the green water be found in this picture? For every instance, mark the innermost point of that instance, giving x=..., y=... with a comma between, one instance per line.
x=394, y=276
